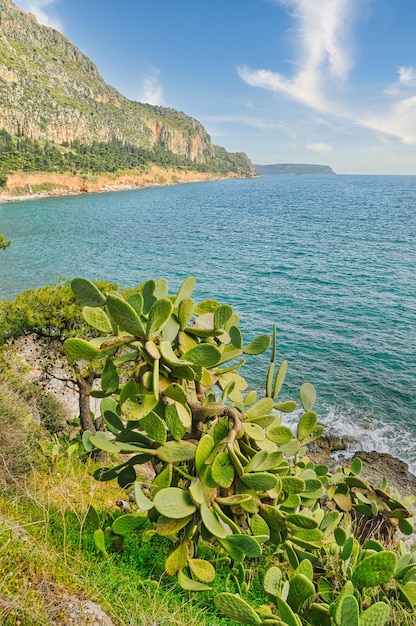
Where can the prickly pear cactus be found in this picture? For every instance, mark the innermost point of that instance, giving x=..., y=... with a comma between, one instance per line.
x=172, y=394
x=227, y=470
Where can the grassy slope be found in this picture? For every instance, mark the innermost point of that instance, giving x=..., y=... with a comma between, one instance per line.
x=47, y=551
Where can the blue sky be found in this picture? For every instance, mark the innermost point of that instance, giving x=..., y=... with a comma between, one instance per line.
x=287, y=81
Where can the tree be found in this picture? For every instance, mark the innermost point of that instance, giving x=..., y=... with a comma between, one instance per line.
x=52, y=312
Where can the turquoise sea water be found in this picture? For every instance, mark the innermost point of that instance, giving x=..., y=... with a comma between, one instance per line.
x=331, y=260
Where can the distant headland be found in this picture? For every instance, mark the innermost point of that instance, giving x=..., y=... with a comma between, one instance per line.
x=294, y=169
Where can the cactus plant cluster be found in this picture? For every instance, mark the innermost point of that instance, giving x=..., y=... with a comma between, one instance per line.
x=227, y=471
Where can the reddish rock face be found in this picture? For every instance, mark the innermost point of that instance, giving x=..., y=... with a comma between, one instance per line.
x=50, y=90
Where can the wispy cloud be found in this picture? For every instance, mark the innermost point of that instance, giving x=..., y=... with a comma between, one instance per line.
x=246, y=120
x=324, y=56
x=39, y=8
x=319, y=147
x=151, y=90
x=323, y=37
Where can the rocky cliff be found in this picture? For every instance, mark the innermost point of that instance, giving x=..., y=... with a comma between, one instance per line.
x=50, y=90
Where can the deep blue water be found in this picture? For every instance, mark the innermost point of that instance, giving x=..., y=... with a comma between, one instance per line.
x=331, y=260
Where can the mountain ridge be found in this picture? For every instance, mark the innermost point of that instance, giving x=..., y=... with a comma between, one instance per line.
x=49, y=90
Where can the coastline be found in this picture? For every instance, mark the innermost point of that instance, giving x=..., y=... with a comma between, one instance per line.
x=22, y=186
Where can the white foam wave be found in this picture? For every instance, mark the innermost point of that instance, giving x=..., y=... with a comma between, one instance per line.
x=367, y=432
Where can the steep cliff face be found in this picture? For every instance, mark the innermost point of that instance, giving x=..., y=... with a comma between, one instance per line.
x=50, y=90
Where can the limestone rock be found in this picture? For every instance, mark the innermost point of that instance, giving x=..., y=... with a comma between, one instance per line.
x=50, y=90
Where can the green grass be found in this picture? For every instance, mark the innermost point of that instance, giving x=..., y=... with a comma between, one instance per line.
x=47, y=551
x=46, y=545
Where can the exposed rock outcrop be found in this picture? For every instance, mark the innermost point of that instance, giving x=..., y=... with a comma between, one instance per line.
x=50, y=90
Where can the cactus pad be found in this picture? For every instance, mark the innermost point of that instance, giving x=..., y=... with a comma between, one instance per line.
x=258, y=345
x=260, y=481
x=204, y=571
x=166, y=526
x=127, y=523
x=307, y=396
x=293, y=484
x=306, y=425
x=124, y=315
x=280, y=434
x=80, y=349
x=349, y=612
x=98, y=319
x=85, y=291
x=272, y=580
x=159, y=314
x=174, y=503
x=245, y=544
x=204, y=354
x=234, y=607
x=222, y=470
x=376, y=615
x=176, y=451
x=176, y=560
x=301, y=588
x=211, y=522
x=374, y=570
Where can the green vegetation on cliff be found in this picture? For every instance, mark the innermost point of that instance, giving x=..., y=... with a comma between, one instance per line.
x=20, y=153
x=52, y=93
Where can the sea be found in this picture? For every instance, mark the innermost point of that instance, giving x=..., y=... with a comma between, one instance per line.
x=331, y=260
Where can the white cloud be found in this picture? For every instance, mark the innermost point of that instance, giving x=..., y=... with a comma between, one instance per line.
x=151, y=90
x=246, y=120
x=324, y=60
x=37, y=7
x=400, y=121
x=407, y=78
x=324, y=56
x=319, y=147
x=407, y=75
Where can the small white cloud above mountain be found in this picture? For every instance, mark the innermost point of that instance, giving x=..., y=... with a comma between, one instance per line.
x=42, y=12
x=319, y=147
x=151, y=90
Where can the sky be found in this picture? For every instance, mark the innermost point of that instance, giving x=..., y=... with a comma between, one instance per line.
x=287, y=81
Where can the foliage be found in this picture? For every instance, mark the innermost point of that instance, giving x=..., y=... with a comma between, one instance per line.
x=53, y=312
x=227, y=472
x=50, y=311
x=27, y=154
x=3, y=243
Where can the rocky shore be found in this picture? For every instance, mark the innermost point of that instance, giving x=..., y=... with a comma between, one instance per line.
x=375, y=464
x=30, y=185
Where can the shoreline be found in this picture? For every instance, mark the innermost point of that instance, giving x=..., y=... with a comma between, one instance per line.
x=24, y=186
